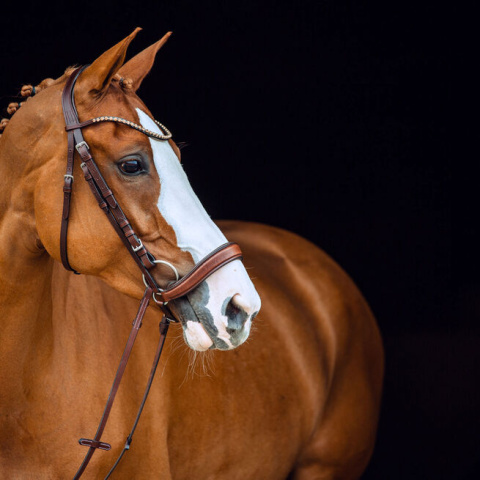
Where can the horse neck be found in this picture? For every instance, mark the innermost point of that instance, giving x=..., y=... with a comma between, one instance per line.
x=53, y=323
x=25, y=270
x=25, y=308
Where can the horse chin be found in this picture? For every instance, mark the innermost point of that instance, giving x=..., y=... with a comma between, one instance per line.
x=196, y=337
x=199, y=330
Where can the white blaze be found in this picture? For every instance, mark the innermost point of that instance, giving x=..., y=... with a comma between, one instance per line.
x=197, y=234
x=178, y=203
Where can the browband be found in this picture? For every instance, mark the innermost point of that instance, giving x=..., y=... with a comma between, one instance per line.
x=149, y=133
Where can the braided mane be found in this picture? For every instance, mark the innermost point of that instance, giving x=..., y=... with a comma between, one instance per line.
x=28, y=91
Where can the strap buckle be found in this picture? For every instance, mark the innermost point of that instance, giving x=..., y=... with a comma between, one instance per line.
x=82, y=144
x=127, y=443
x=68, y=176
x=140, y=245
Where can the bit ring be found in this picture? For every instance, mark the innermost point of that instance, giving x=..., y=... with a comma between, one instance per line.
x=168, y=264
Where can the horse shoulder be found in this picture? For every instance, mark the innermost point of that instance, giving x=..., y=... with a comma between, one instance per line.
x=326, y=326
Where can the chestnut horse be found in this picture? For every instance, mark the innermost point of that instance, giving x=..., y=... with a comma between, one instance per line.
x=300, y=399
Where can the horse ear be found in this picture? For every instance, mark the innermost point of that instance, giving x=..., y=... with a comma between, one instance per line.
x=138, y=67
x=96, y=78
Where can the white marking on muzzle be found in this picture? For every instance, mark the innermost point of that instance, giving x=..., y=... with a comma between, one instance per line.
x=197, y=337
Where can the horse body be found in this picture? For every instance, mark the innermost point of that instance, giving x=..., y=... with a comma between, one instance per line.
x=302, y=393
x=299, y=398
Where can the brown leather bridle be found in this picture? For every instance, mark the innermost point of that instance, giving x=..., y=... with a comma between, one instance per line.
x=145, y=260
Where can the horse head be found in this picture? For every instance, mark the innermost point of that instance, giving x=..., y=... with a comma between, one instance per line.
x=149, y=183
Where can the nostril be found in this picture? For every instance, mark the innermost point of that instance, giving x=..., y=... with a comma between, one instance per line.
x=236, y=315
x=241, y=302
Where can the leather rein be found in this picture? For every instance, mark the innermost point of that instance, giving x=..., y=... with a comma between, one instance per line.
x=145, y=260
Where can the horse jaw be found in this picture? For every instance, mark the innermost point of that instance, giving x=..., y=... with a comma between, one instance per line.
x=222, y=308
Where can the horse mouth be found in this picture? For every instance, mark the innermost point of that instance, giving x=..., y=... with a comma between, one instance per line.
x=199, y=330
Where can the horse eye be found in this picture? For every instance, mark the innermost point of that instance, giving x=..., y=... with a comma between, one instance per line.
x=131, y=167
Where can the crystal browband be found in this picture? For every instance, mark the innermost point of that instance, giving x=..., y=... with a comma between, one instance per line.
x=157, y=136
x=123, y=121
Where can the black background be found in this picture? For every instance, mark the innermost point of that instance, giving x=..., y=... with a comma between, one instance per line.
x=327, y=119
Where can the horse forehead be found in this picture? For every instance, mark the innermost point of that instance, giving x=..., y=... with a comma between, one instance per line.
x=113, y=136
x=159, y=148
x=115, y=104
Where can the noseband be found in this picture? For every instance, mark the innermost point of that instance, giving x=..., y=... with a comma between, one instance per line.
x=144, y=259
